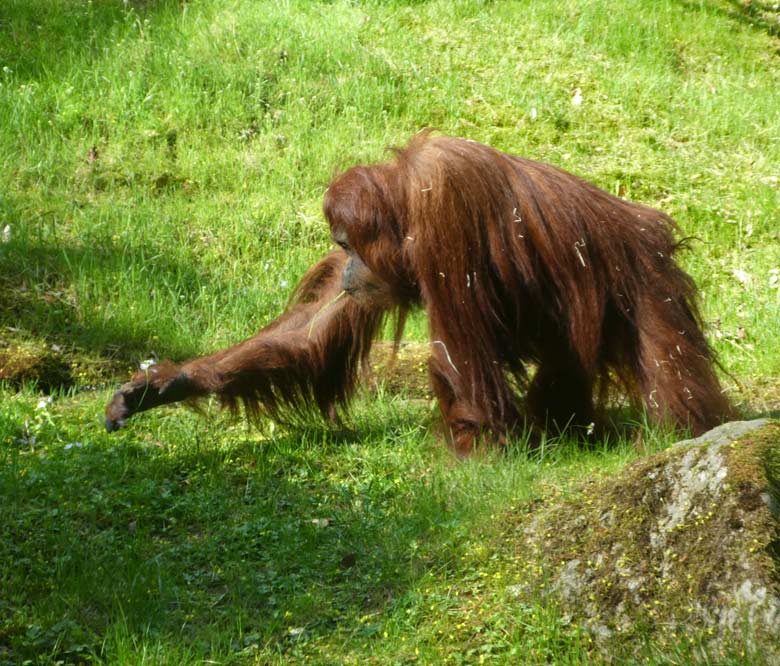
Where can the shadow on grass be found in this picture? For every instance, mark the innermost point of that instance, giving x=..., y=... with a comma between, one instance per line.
x=42, y=295
x=221, y=550
x=41, y=37
x=760, y=15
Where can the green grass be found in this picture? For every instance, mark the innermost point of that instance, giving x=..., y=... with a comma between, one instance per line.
x=187, y=542
x=162, y=166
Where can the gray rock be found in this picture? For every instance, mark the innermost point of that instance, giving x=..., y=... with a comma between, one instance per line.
x=723, y=434
x=687, y=540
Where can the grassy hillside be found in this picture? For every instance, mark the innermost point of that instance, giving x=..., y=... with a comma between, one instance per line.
x=162, y=170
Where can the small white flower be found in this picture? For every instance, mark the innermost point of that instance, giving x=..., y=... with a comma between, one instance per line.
x=74, y=445
x=742, y=276
x=533, y=114
x=577, y=99
x=283, y=284
x=43, y=403
x=5, y=237
x=774, y=278
x=148, y=363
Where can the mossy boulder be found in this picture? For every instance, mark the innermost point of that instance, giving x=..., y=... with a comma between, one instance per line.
x=684, y=541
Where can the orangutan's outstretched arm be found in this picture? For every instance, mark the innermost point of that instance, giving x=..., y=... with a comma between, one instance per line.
x=308, y=357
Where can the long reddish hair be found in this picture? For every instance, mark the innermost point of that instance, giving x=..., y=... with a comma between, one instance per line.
x=543, y=294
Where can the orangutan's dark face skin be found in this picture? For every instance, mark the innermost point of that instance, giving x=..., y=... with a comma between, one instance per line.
x=357, y=279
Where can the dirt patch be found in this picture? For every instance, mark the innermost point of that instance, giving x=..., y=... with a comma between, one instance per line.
x=51, y=367
x=31, y=362
x=406, y=372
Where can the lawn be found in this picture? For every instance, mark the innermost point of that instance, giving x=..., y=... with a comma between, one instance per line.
x=163, y=166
